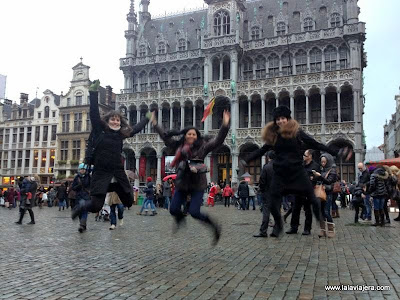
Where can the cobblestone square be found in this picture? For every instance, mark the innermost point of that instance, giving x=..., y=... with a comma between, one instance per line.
x=144, y=260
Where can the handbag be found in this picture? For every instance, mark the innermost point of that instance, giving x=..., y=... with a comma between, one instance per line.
x=198, y=165
x=336, y=187
x=319, y=191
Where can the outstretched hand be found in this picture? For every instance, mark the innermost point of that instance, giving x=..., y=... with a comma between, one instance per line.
x=153, y=118
x=94, y=87
x=226, y=117
x=346, y=153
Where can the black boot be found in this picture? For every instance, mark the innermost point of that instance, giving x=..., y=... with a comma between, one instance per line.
x=382, y=220
x=32, y=217
x=179, y=221
x=82, y=226
x=21, y=216
x=377, y=218
x=216, y=230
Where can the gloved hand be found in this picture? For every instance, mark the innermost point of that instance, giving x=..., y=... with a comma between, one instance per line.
x=94, y=87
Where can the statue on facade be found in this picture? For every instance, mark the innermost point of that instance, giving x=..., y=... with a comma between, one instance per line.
x=205, y=92
x=233, y=87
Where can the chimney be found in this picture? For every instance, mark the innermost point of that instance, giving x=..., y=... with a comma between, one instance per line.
x=109, y=95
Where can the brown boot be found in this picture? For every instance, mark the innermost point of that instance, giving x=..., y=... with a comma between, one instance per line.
x=322, y=232
x=377, y=217
x=331, y=230
x=337, y=214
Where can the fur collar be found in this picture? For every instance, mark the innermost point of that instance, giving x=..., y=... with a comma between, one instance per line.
x=288, y=131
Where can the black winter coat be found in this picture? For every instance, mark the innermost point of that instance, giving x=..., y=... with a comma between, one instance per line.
x=309, y=168
x=288, y=164
x=149, y=191
x=193, y=181
x=81, y=185
x=378, y=183
x=266, y=177
x=243, y=189
x=107, y=156
x=364, y=179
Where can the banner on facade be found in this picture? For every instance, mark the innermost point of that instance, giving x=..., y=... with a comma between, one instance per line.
x=142, y=166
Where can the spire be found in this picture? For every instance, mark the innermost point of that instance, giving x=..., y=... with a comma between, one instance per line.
x=131, y=17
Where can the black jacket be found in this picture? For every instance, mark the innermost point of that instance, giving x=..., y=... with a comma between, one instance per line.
x=310, y=167
x=243, y=189
x=81, y=186
x=107, y=158
x=266, y=177
x=364, y=178
x=188, y=180
x=378, y=183
x=149, y=190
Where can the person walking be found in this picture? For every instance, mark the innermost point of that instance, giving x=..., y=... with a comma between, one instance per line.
x=211, y=195
x=116, y=204
x=243, y=192
x=28, y=188
x=108, y=174
x=379, y=193
x=364, y=180
x=190, y=152
x=252, y=196
x=285, y=136
x=227, y=193
x=62, y=196
x=149, y=191
x=81, y=186
x=167, y=193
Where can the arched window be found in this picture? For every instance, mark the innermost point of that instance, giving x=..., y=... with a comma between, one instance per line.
x=174, y=77
x=286, y=64
x=248, y=69
x=335, y=20
x=185, y=76
x=260, y=67
x=215, y=69
x=78, y=99
x=255, y=33
x=273, y=68
x=221, y=23
x=143, y=81
x=161, y=48
x=142, y=50
x=301, y=62
x=163, y=79
x=196, y=75
x=308, y=24
x=330, y=58
x=343, y=57
x=47, y=112
x=280, y=29
x=182, y=45
x=153, y=80
x=226, y=68
x=134, y=82
x=315, y=60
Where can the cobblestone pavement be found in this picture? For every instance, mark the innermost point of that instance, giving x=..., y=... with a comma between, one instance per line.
x=144, y=260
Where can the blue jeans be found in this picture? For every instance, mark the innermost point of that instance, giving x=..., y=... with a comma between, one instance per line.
x=379, y=203
x=251, y=199
x=166, y=202
x=259, y=199
x=146, y=203
x=113, y=215
x=83, y=215
x=367, y=207
x=328, y=207
x=62, y=203
x=194, y=208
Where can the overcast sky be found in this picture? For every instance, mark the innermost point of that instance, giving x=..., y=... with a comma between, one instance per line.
x=40, y=41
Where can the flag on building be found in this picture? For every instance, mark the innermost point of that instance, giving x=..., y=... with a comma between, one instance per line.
x=208, y=110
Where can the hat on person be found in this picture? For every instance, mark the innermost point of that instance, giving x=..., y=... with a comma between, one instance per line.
x=281, y=111
x=149, y=179
x=81, y=166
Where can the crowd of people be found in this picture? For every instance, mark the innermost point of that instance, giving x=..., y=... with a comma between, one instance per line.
x=300, y=173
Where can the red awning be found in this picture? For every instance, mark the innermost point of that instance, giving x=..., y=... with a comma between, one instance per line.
x=388, y=162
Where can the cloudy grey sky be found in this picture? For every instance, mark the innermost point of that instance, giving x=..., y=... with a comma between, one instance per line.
x=42, y=40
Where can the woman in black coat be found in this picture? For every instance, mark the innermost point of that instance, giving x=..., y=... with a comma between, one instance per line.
x=191, y=179
x=109, y=174
x=284, y=136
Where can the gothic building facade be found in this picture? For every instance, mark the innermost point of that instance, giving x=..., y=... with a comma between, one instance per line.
x=251, y=56
x=392, y=133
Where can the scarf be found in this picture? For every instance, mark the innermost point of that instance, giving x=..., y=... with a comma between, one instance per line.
x=182, y=153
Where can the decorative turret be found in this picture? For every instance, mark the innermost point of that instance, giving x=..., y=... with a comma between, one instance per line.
x=131, y=33
x=144, y=15
x=352, y=11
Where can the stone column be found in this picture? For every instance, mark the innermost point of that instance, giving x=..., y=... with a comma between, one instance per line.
x=221, y=69
x=194, y=115
x=323, y=117
x=235, y=165
x=159, y=119
x=276, y=102
x=357, y=107
x=137, y=170
x=171, y=117
x=249, y=111
x=339, y=108
x=307, y=110
x=206, y=70
x=137, y=116
x=159, y=168
x=292, y=105
x=182, y=116
x=207, y=162
x=262, y=112
x=263, y=161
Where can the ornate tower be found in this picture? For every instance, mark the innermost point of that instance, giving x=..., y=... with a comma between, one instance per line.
x=131, y=33
x=352, y=11
x=144, y=15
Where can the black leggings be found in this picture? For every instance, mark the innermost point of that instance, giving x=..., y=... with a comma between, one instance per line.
x=97, y=201
x=227, y=201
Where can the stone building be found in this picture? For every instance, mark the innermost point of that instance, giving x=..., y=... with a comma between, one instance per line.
x=252, y=56
x=74, y=123
x=392, y=133
x=28, y=139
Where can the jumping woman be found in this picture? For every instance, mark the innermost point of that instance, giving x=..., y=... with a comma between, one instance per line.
x=191, y=149
x=284, y=136
x=108, y=174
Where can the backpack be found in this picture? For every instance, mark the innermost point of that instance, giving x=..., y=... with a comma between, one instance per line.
x=91, y=145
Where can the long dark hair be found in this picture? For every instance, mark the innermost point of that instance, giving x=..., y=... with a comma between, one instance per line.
x=125, y=128
x=174, y=132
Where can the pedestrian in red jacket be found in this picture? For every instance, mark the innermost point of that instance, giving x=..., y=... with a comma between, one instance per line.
x=211, y=195
x=227, y=193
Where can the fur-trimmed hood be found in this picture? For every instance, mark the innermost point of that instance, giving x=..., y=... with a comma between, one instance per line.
x=288, y=131
x=381, y=173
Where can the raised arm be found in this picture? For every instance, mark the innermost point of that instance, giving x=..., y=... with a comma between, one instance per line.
x=257, y=153
x=139, y=126
x=94, y=111
x=313, y=144
x=217, y=141
x=168, y=141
